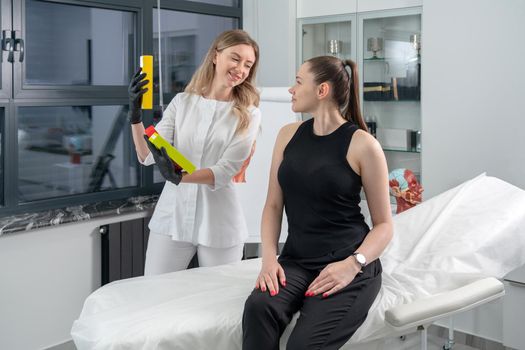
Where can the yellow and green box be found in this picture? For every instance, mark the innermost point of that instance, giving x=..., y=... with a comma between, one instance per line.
x=173, y=153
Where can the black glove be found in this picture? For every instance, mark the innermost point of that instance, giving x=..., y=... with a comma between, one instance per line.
x=168, y=169
x=135, y=92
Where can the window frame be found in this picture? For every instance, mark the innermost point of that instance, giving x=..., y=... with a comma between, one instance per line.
x=28, y=91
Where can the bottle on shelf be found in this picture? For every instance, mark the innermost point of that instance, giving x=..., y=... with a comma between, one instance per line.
x=371, y=124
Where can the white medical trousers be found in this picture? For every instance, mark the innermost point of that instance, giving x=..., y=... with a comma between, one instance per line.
x=166, y=255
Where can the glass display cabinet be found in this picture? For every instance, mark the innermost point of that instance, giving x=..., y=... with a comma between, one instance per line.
x=332, y=35
x=329, y=35
x=390, y=65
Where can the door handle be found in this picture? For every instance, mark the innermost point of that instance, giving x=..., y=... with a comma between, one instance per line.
x=8, y=44
x=19, y=46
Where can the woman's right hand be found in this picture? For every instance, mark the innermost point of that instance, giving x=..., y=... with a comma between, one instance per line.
x=271, y=274
x=135, y=92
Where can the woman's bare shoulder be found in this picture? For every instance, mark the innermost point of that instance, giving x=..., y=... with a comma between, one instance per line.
x=364, y=148
x=364, y=143
x=286, y=133
x=290, y=128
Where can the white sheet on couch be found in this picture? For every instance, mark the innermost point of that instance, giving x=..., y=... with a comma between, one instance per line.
x=474, y=230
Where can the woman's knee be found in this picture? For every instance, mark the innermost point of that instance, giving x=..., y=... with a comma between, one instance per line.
x=258, y=303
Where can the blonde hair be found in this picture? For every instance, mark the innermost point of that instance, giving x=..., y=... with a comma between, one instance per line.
x=245, y=94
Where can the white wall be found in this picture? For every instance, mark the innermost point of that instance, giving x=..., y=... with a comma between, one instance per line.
x=473, y=97
x=473, y=105
x=45, y=276
x=272, y=24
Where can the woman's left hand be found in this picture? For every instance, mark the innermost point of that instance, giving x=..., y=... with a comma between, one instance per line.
x=333, y=277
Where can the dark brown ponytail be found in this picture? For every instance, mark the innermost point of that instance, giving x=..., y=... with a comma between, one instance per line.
x=345, y=85
x=353, y=109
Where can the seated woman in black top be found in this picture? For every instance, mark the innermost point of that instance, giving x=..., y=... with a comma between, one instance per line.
x=329, y=269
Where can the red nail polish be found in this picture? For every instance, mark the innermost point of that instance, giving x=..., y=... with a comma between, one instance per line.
x=325, y=295
x=307, y=294
x=284, y=283
x=272, y=293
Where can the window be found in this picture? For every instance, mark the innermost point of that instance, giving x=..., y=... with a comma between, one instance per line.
x=67, y=150
x=78, y=45
x=64, y=135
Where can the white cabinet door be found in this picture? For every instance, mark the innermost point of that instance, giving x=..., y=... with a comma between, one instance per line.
x=314, y=8
x=377, y=5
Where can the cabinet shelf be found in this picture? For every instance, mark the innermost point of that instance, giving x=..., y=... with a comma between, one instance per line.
x=399, y=150
x=392, y=100
x=413, y=60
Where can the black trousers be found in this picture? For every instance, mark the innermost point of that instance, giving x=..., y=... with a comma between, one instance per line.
x=324, y=323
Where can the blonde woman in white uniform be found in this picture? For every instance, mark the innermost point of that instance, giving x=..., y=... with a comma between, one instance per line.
x=214, y=123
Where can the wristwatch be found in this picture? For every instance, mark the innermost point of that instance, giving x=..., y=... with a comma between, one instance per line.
x=360, y=258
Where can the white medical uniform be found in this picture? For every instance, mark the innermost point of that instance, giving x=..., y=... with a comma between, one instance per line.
x=204, y=131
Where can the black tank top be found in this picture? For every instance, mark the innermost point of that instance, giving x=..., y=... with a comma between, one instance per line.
x=321, y=196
